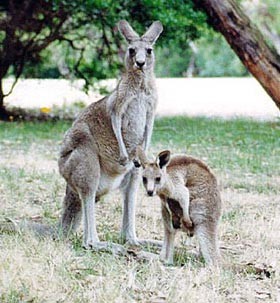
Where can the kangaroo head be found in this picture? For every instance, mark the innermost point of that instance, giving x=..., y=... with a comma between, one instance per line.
x=139, y=54
x=154, y=173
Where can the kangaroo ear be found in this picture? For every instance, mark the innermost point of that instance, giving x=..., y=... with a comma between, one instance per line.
x=153, y=32
x=163, y=158
x=141, y=156
x=127, y=31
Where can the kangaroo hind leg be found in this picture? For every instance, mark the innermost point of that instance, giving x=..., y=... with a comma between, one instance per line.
x=85, y=178
x=82, y=173
x=207, y=237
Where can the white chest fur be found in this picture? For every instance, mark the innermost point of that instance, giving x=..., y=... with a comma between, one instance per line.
x=108, y=183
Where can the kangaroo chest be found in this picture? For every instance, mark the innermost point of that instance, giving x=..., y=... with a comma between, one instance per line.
x=139, y=112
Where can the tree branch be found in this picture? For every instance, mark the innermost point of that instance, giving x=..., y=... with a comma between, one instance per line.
x=78, y=72
x=71, y=43
x=11, y=88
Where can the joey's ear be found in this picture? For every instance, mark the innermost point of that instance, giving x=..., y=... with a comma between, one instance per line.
x=127, y=31
x=153, y=32
x=163, y=158
x=141, y=156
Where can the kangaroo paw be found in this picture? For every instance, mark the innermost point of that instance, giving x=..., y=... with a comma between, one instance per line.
x=123, y=160
x=187, y=223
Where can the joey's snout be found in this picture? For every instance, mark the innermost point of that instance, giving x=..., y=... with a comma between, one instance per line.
x=149, y=186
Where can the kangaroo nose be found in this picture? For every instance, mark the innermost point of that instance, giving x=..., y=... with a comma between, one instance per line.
x=140, y=63
x=150, y=193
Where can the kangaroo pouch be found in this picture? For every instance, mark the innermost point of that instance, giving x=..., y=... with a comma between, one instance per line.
x=177, y=215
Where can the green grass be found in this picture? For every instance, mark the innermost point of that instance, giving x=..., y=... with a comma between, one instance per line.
x=23, y=134
x=231, y=147
x=226, y=144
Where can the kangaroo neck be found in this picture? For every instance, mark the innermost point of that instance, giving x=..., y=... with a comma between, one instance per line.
x=137, y=80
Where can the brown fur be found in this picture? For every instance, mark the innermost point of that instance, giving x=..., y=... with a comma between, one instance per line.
x=199, y=182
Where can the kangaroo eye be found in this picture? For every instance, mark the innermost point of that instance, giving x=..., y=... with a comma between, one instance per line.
x=149, y=51
x=157, y=180
x=144, y=180
x=131, y=51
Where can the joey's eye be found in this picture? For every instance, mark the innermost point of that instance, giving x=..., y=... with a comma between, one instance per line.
x=157, y=179
x=144, y=180
x=131, y=51
x=149, y=51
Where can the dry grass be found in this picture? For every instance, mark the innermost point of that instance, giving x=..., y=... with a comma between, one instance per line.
x=42, y=270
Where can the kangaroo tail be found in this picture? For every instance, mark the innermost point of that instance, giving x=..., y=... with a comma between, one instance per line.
x=69, y=221
x=39, y=229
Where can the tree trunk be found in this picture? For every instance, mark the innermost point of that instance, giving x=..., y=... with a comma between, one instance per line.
x=2, y=107
x=5, y=115
x=247, y=42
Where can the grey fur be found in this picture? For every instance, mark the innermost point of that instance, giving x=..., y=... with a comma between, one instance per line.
x=97, y=151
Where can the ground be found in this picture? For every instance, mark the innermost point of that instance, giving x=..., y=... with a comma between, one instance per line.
x=245, y=157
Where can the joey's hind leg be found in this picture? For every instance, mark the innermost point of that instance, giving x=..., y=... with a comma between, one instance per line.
x=207, y=238
x=167, y=251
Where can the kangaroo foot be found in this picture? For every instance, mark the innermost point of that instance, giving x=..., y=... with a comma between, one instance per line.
x=132, y=242
x=147, y=242
x=165, y=259
x=115, y=249
x=151, y=242
x=143, y=255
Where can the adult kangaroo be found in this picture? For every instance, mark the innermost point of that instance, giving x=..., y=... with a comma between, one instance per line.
x=97, y=151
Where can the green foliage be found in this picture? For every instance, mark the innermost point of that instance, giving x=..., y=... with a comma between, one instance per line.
x=265, y=12
x=215, y=58
x=102, y=55
x=172, y=61
x=89, y=44
x=44, y=67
